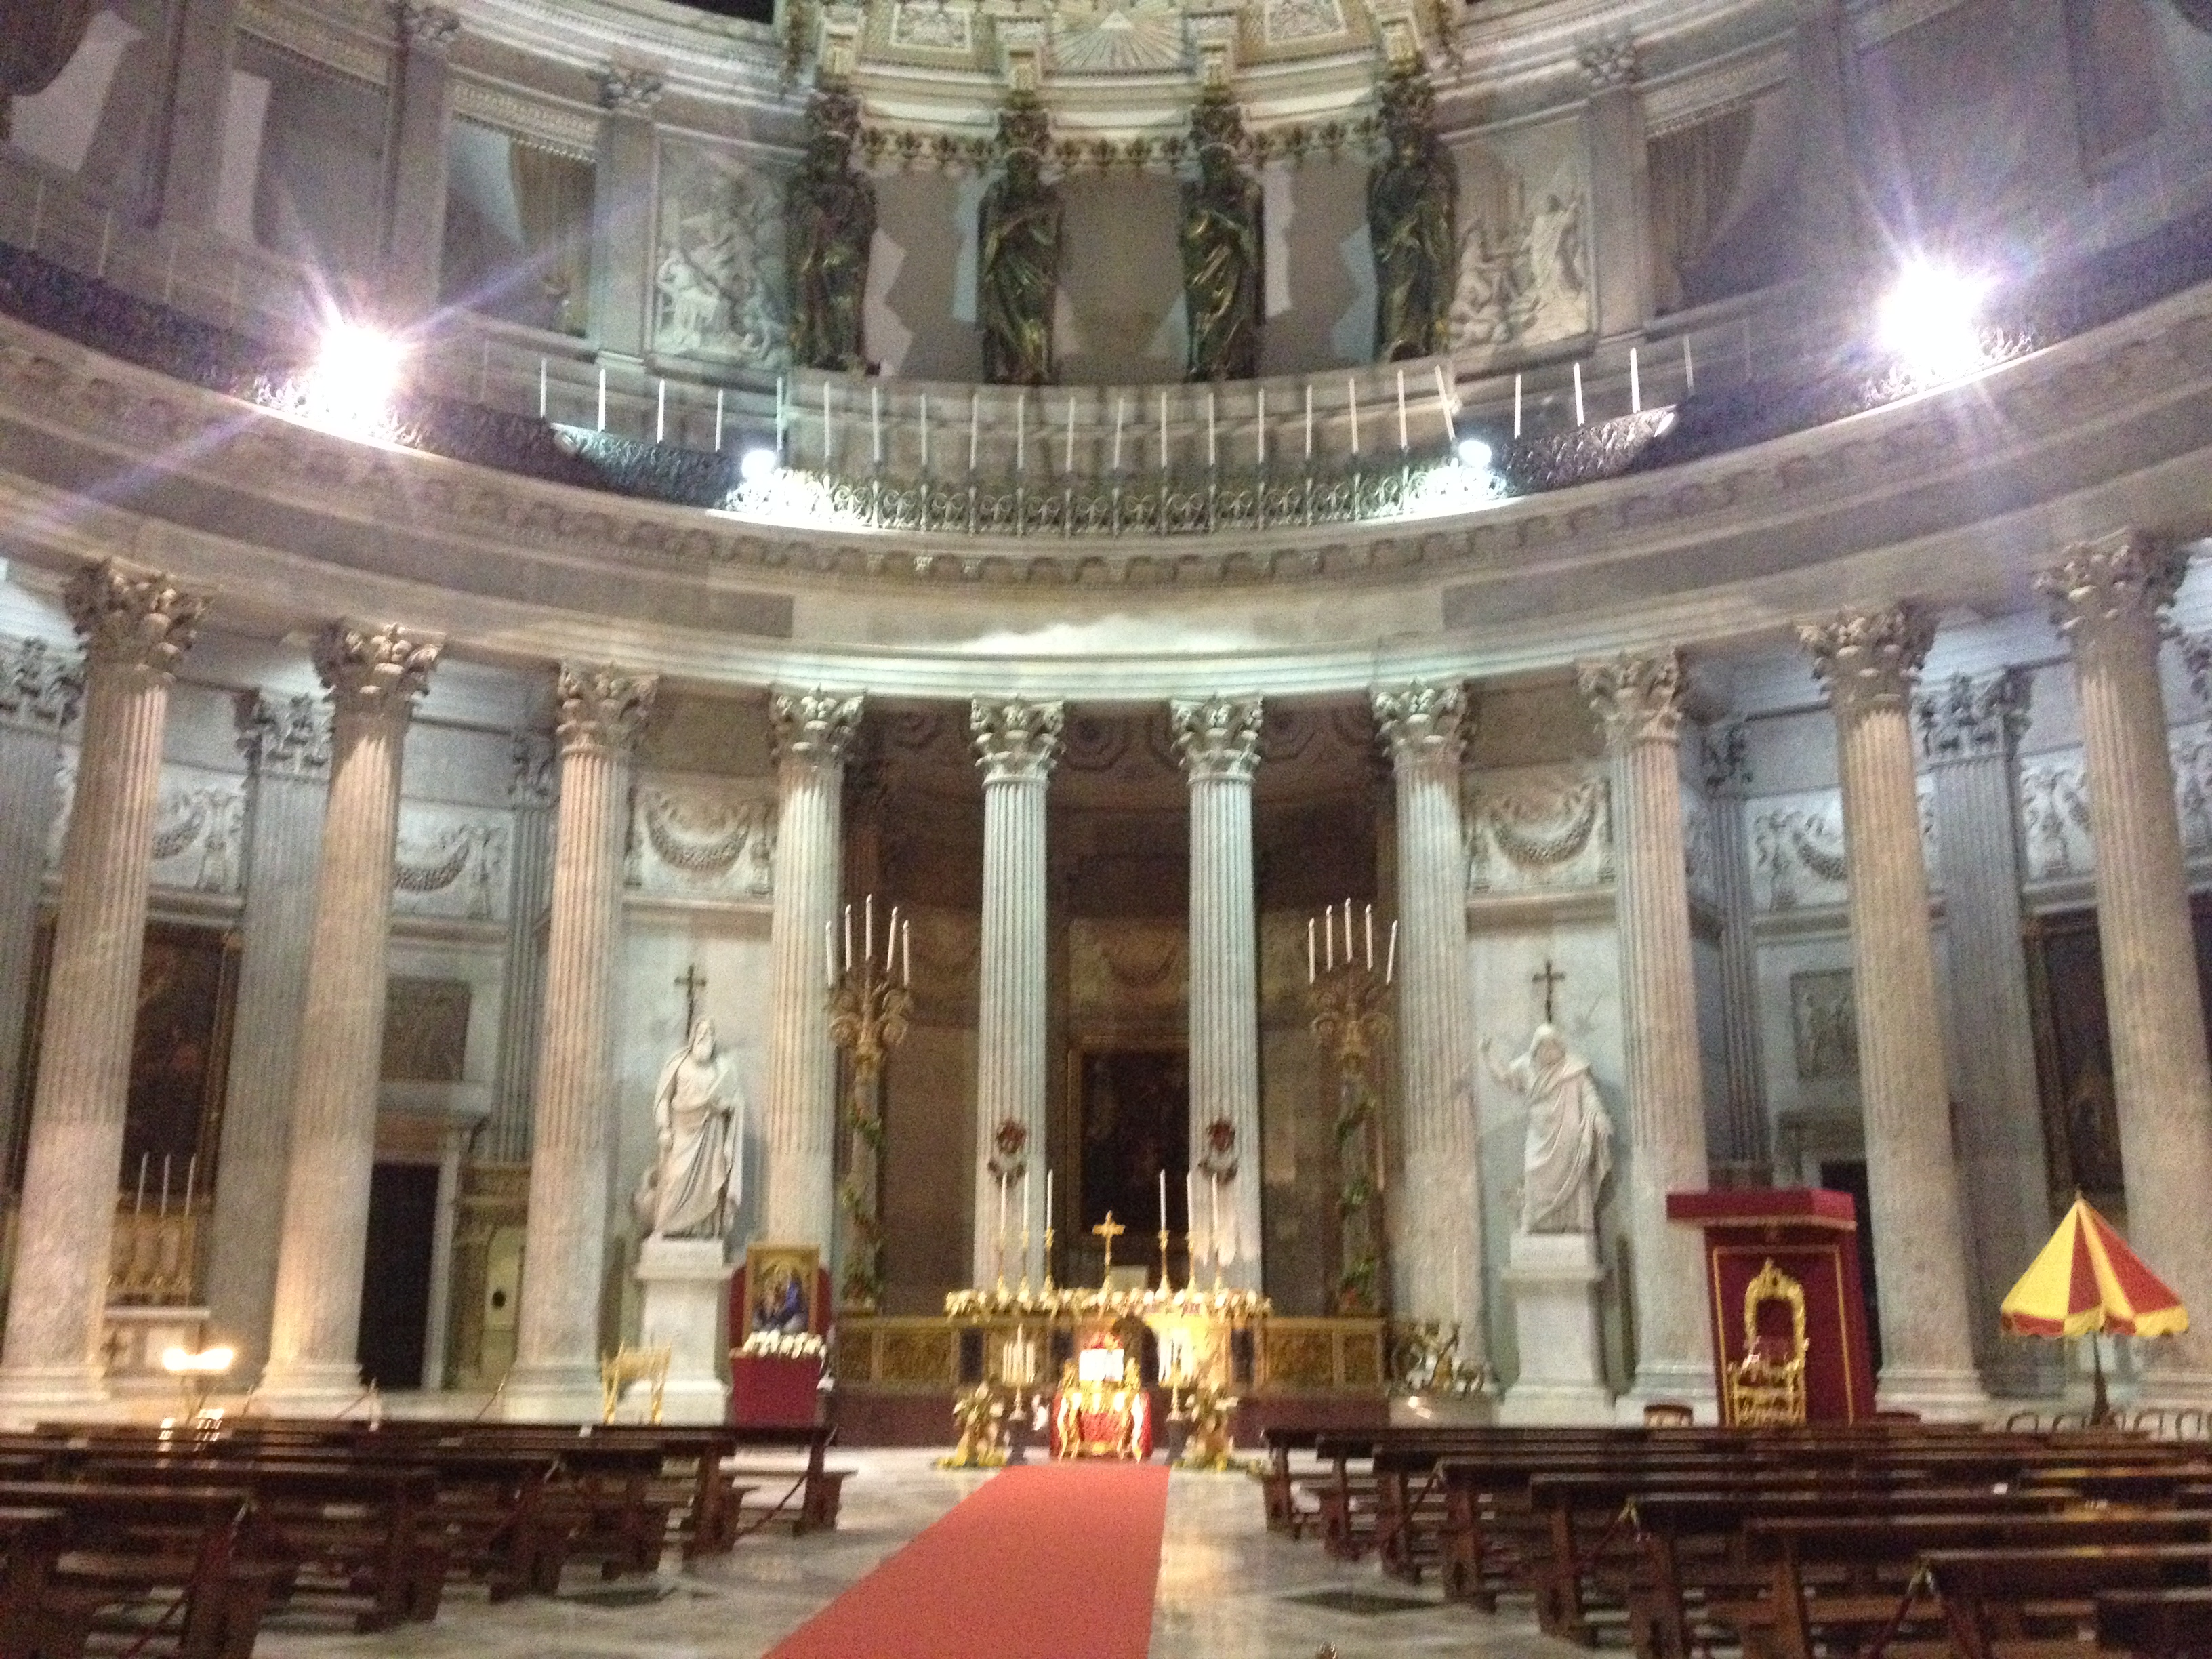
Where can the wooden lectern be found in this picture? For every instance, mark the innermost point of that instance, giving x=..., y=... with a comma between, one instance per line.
x=1788, y=1317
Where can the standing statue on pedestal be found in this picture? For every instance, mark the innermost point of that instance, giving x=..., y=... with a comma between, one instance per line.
x=829, y=223
x=1412, y=211
x=1568, y=1153
x=694, y=1183
x=1223, y=250
x=1017, y=266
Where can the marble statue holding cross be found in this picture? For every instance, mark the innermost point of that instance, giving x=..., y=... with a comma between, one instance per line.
x=691, y=1188
x=1568, y=1151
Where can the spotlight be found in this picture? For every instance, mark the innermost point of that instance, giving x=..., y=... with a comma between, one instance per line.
x=356, y=372
x=757, y=465
x=1930, y=322
x=1475, y=455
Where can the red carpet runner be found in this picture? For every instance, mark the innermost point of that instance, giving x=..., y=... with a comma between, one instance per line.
x=1049, y=1561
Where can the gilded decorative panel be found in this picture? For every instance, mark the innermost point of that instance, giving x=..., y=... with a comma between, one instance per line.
x=1299, y=1358
x=915, y=1356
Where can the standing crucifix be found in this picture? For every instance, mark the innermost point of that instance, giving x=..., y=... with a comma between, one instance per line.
x=1551, y=979
x=693, y=983
x=1109, y=1230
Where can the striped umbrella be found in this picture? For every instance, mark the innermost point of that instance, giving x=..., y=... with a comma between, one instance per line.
x=2086, y=1280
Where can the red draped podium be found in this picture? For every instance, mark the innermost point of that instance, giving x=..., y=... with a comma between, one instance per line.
x=774, y=1393
x=1812, y=1235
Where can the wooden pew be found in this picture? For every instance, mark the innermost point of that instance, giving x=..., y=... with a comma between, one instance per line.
x=1994, y=1598
x=2167, y=1623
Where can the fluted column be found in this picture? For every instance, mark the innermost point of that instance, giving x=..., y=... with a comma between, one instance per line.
x=192, y=107
x=1970, y=735
x=813, y=733
x=1743, y=1129
x=137, y=627
x=1438, y=1260
x=1638, y=702
x=2107, y=598
x=557, y=1358
x=414, y=190
x=1017, y=745
x=40, y=687
x=1219, y=742
x=530, y=791
x=286, y=741
x=1869, y=661
x=374, y=676
x=1620, y=183
x=624, y=214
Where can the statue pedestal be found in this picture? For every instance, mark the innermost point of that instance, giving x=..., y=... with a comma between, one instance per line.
x=1552, y=1279
x=687, y=1286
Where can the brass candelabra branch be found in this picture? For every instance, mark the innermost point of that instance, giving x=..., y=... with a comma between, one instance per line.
x=868, y=1015
x=1348, y=1007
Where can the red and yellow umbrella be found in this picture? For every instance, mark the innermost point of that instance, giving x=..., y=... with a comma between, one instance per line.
x=2086, y=1281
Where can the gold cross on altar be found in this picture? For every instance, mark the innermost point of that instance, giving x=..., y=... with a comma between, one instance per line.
x=1109, y=1230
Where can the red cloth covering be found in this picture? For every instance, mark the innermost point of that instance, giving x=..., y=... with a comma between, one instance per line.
x=1102, y=1421
x=774, y=1392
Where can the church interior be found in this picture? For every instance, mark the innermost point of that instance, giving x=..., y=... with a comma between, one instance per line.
x=1050, y=828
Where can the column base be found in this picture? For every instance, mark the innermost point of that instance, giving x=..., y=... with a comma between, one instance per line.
x=34, y=1393
x=552, y=1392
x=324, y=1389
x=1939, y=1396
x=1673, y=1381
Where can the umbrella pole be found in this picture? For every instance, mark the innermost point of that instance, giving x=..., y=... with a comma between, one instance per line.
x=2100, y=1409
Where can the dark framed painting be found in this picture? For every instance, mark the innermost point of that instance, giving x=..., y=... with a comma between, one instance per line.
x=1132, y=1108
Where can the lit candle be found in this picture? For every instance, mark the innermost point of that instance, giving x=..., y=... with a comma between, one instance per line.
x=1352, y=402
x=1578, y=391
x=1444, y=402
x=1517, y=405
x=1309, y=950
x=1211, y=457
x=1121, y=409
x=974, y=421
x=1391, y=960
x=1021, y=432
x=1309, y=420
x=1260, y=429
x=925, y=432
x=876, y=424
x=1401, y=412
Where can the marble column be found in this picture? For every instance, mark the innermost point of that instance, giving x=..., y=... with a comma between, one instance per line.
x=1219, y=742
x=137, y=627
x=1869, y=661
x=40, y=687
x=1438, y=1264
x=1639, y=701
x=1619, y=184
x=195, y=109
x=530, y=793
x=557, y=1358
x=623, y=276
x=415, y=167
x=2107, y=597
x=286, y=742
x=813, y=731
x=1826, y=232
x=374, y=675
x=1017, y=745
x=1970, y=734
x=1743, y=1139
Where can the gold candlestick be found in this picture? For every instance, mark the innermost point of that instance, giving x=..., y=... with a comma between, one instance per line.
x=1165, y=1286
x=1349, y=1009
x=1024, y=1291
x=868, y=1016
x=1047, y=1258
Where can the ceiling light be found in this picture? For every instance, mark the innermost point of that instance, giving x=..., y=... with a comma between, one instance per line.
x=355, y=375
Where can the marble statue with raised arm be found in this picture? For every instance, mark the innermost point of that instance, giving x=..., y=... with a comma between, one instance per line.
x=1568, y=1153
x=695, y=1178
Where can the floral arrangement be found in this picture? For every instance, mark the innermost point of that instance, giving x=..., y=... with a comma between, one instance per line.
x=1063, y=1303
x=783, y=1345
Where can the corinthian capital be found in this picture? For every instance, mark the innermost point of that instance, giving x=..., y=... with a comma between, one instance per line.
x=813, y=726
x=1217, y=738
x=2118, y=583
x=373, y=673
x=628, y=90
x=1422, y=723
x=288, y=736
x=39, y=686
x=1608, y=62
x=1016, y=739
x=602, y=708
x=1637, y=699
x=133, y=619
x=1870, y=659
x=1969, y=717
x=426, y=28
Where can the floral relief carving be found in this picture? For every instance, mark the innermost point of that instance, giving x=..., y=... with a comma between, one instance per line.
x=702, y=840
x=1545, y=830
x=450, y=863
x=1797, y=856
x=199, y=823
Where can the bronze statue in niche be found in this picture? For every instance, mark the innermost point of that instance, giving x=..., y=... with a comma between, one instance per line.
x=1224, y=253
x=1412, y=223
x=1018, y=267
x=829, y=220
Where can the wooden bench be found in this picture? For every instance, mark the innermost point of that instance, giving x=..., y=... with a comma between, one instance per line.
x=1995, y=1599
x=2166, y=1623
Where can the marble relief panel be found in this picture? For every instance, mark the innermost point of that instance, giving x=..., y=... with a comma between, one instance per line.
x=707, y=838
x=199, y=827
x=719, y=273
x=451, y=862
x=1539, y=829
x=1524, y=263
x=1797, y=860
x=2056, y=843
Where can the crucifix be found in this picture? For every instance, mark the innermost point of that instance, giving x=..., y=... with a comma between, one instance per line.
x=1109, y=1230
x=693, y=983
x=1551, y=979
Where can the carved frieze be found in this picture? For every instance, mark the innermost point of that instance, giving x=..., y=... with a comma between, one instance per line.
x=700, y=838
x=1797, y=855
x=199, y=826
x=1539, y=829
x=451, y=862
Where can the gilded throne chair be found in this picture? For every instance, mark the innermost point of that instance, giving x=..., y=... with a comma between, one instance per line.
x=1767, y=1385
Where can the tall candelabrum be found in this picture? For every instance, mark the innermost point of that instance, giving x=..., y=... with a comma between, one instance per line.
x=869, y=1002
x=1347, y=1001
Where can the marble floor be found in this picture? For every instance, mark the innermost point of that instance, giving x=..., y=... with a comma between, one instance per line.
x=1227, y=1591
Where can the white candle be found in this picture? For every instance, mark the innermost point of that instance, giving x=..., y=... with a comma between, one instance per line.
x=191, y=1179
x=1352, y=402
x=541, y=388
x=1401, y=412
x=906, y=951
x=1689, y=368
x=1260, y=429
x=1121, y=409
x=1047, y=1199
x=830, y=955
x=1347, y=932
x=1578, y=391
x=848, y=938
x=1635, y=384
x=1067, y=464
x=1370, y=924
x=164, y=1208
x=974, y=420
x=876, y=424
x=1021, y=432
x=1328, y=937
x=602, y=396
x=1309, y=950
x=1517, y=405
x=660, y=408
x=1309, y=420
x=868, y=929
x=718, y=420
x=891, y=940
x=925, y=432
x=1444, y=402
x=1211, y=457
x=1391, y=960
x=1164, y=1201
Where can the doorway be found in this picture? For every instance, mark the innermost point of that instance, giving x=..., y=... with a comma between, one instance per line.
x=395, y=1277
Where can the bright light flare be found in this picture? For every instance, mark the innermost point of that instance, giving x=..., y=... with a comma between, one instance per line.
x=357, y=374
x=210, y=1361
x=757, y=465
x=1930, y=322
x=1475, y=455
